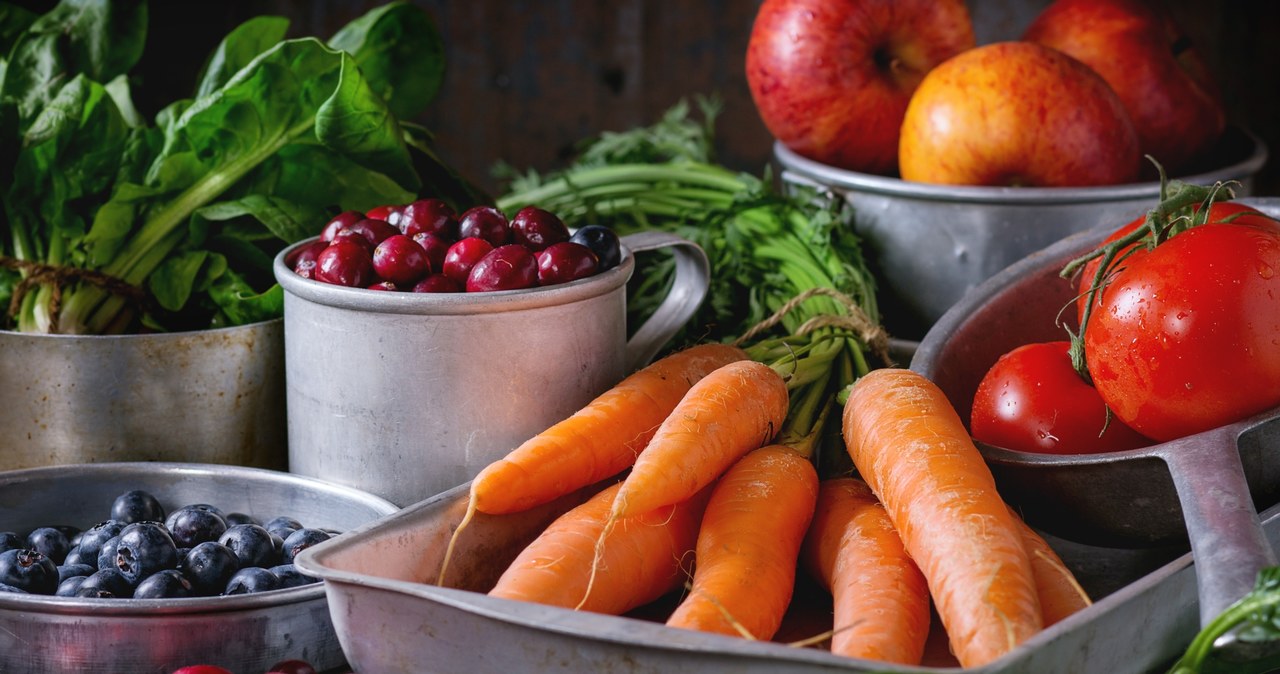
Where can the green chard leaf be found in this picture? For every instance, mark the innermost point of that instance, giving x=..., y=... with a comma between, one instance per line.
x=243, y=44
x=356, y=121
x=399, y=49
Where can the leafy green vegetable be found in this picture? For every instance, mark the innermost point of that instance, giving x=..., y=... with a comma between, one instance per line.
x=1255, y=620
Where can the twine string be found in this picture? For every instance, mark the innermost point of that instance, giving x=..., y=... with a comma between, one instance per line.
x=56, y=277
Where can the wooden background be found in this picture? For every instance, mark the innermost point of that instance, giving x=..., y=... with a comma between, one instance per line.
x=527, y=79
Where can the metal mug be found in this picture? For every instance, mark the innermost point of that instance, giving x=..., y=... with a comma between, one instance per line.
x=405, y=395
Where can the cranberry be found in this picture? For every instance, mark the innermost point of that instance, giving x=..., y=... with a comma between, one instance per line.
x=462, y=256
x=565, y=261
x=603, y=242
x=374, y=230
x=429, y=215
x=484, y=222
x=352, y=236
x=344, y=263
x=401, y=260
x=383, y=285
x=508, y=267
x=201, y=669
x=437, y=283
x=436, y=246
x=292, y=667
x=303, y=259
x=339, y=222
x=387, y=213
x=535, y=228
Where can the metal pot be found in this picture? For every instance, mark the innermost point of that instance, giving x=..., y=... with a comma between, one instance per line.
x=208, y=396
x=929, y=244
x=1205, y=488
x=408, y=394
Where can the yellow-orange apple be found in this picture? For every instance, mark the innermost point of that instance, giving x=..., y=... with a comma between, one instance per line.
x=1139, y=50
x=832, y=78
x=1017, y=113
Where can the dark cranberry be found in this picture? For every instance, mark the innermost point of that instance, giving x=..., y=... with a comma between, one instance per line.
x=508, y=267
x=462, y=256
x=251, y=544
x=251, y=580
x=137, y=506
x=387, y=212
x=29, y=571
x=436, y=247
x=484, y=222
x=301, y=540
x=107, y=553
x=303, y=260
x=282, y=525
x=348, y=235
x=292, y=667
x=338, y=223
x=345, y=263
x=92, y=539
x=535, y=228
x=69, y=586
x=241, y=518
x=71, y=570
x=603, y=242
x=166, y=584
x=565, y=261
x=209, y=566
x=373, y=230
x=437, y=283
x=49, y=542
x=383, y=285
x=144, y=548
x=78, y=555
x=401, y=260
x=190, y=525
x=429, y=216
x=108, y=581
x=11, y=541
x=290, y=576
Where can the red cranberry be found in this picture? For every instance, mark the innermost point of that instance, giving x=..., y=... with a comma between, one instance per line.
x=462, y=256
x=484, y=222
x=386, y=213
x=384, y=285
x=508, y=267
x=429, y=215
x=400, y=260
x=344, y=263
x=436, y=246
x=437, y=283
x=535, y=228
x=292, y=667
x=303, y=259
x=375, y=231
x=565, y=261
x=340, y=221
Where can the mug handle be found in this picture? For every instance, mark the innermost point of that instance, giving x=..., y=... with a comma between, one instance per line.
x=692, y=279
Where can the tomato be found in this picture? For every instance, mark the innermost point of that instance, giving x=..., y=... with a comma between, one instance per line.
x=1032, y=400
x=1186, y=336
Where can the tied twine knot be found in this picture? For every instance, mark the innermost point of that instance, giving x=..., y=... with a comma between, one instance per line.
x=855, y=321
x=38, y=273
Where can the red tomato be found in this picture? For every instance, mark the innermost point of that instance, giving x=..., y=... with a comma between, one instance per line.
x=1032, y=400
x=1187, y=337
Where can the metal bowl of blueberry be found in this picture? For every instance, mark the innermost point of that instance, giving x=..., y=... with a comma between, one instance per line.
x=140, y=567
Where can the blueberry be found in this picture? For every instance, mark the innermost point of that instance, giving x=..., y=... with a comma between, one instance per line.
x=108, y=581
x=72, y=533
x=50, y=542
x=9, y=588
x=251, y=544
x=144, y=548
x=251, y=580
x=78, y=556
x=107, y=553
x=137, y=506
x=69, y=586
x=282, y=526
x=209, y=566
x=166, y=584
x=209, y=509
x=190, y=525
x=602, y=241
x=301, y=540
x=241, y=518
x=11, y=541
x=71, y=570
x=29, y=571
x=290, y=576
x=92, y=539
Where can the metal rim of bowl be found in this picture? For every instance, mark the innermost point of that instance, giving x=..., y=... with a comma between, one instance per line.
x=380, y=301
x=834, y=177
x=159, y=608
x=151, y=336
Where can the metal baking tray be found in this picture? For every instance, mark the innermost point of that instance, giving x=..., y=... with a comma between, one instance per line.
x=390, y=616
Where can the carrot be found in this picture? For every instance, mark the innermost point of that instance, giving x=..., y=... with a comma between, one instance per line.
x=643, y=561
x=1060, y=593
x=748, y=545
x=880, y=602
x=910, y=446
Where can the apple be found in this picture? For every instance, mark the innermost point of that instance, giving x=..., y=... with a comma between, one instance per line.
x=832, y=78
x=1017, y=114
x=1135, y=46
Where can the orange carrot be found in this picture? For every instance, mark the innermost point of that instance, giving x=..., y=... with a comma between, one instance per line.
x=880, y=602
x=748, y=545
x=910, y=446
x=643, y=560
x=1060, y=593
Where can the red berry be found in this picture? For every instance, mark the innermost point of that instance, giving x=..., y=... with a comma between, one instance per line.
x=201, y=669
x=437, y=283
x=292, y=667
x=565, y=261
x=462, y=256
x=509, y=267
x=436, y=246
x=484, y=222
x=303, y=259
x=400, y=260
x=344, y=263
x=429, y=215
x=340, y=221
x=373, y=230
x=384, y=212
x=535, y=228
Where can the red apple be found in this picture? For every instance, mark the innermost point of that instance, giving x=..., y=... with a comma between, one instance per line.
x=832, y=78
x=1017, y=114
x=1165, y=85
